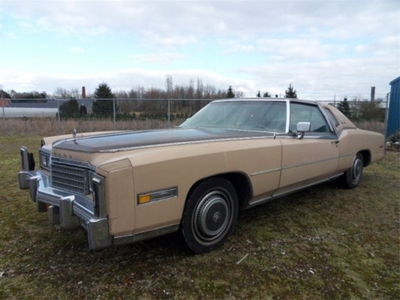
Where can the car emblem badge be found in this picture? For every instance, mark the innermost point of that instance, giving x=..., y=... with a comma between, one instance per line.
x=216, y=217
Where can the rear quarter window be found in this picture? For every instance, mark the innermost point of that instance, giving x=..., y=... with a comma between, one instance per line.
x=332, y=118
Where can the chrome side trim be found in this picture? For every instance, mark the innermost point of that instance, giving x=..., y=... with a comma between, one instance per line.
x=290, y=191
x=346, y=155
x=336, y=176
x=308, y=163
x=265, y=172
x=266, y=199
x=295, y=189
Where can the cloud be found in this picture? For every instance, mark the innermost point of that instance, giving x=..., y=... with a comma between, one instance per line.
x=76, y=50
x=321, y=47
x=175, y=41
x=237, y=18
x=325, y=79
x=158, y=58
x=294, y=49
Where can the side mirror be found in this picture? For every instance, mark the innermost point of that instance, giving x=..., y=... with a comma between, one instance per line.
x=302, y=127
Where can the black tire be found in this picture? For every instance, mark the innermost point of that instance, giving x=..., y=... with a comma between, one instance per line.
x=352, y=177
x=210, y=215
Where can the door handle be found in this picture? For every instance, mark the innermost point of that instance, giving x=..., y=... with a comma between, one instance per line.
x=335, y=142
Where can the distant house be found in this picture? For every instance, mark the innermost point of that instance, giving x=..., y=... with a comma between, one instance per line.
x=18, y=108
x=4, y=102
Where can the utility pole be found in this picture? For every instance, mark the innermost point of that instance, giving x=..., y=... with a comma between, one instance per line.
x=2, y=106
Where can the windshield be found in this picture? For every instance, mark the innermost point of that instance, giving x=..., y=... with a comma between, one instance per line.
x=267, y=116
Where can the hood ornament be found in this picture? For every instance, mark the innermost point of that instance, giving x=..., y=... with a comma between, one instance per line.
x=74, y=133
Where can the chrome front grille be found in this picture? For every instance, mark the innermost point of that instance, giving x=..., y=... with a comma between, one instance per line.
x=70, y=178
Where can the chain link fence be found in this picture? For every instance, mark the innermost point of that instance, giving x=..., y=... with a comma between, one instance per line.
x=57, y=116
x=60, y=116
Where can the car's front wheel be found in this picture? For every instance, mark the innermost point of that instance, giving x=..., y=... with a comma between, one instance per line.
x=352, y=177
x=210, y=215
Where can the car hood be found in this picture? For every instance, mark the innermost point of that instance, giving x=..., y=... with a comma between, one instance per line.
x=141, y=139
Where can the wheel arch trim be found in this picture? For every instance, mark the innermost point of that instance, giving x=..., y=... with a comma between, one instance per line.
x=240, y=181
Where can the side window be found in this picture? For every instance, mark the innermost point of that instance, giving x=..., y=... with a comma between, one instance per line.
x=307, y=113
x=265, y=116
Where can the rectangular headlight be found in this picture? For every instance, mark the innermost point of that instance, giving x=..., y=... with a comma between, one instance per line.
x=44, y=159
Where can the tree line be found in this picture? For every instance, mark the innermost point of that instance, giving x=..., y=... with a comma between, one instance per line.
x=157, y=109
x=365, y=110
x=140, y=102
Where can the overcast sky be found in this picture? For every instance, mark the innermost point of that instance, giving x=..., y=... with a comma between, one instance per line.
x=325, y=49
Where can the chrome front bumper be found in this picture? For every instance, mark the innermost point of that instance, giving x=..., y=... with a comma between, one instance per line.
x=67, y=209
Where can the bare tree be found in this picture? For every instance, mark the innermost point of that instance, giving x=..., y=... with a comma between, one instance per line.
x=239, y=94
x=199, y=89
x=169, y=86
x=75, y=93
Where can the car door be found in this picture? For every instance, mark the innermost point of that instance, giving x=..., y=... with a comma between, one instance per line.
x=312, y=158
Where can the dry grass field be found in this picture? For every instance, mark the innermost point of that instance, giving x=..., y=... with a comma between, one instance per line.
x=322, y=243
x=51, y=126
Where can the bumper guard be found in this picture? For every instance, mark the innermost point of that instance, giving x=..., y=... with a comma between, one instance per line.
x=65, y=208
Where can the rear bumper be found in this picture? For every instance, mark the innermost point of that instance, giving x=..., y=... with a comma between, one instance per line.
x=65, y=208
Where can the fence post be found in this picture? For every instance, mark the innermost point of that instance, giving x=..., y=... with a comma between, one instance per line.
x=58, y=115
x=4, y=118
x=169, y=112
x=114, y=119
x=3, y=103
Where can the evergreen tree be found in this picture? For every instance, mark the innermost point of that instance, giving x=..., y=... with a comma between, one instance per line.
x=344, y=107
x=230, y=93
x=4, y=94
x=290, y=92
x=69, y=109
x=101, y=107
x=82, y=111
x=259, y=94
x=266, y=95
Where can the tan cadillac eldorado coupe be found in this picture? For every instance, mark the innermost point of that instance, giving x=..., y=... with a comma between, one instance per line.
x=127, y=186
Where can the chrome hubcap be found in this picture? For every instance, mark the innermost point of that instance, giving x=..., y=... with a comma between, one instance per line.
x=212, y=216
x=356, y=170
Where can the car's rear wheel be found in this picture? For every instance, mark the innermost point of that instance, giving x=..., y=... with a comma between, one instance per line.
x=210, y=215
x=352, y=177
